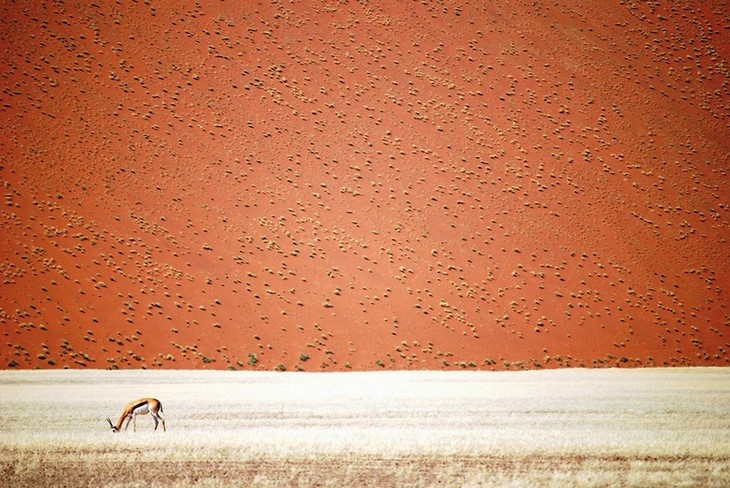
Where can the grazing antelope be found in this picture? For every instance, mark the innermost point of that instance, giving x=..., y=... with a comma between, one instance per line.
x=143, y=406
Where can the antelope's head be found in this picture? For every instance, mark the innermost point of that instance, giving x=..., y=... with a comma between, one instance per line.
x=114, y=428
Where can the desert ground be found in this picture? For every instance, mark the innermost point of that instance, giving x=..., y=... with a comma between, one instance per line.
x=334, y=186
x=589, y=427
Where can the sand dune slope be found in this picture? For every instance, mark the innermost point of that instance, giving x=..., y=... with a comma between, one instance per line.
x=336, y=185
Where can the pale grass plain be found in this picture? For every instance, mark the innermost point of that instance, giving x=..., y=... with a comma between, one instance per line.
x=643, y=427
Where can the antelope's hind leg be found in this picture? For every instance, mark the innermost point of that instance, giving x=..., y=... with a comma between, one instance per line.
x=159, y=418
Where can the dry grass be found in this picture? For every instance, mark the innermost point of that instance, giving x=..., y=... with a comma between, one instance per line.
x=659, y=427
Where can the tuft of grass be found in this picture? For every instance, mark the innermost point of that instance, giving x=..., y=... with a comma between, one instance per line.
x=252, y=359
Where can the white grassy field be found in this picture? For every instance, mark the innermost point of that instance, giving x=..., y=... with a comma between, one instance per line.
x=646, y=427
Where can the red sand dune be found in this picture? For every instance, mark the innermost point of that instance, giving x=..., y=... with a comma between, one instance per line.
x=334, y=185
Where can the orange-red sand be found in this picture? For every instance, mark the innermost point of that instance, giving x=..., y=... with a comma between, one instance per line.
x=332, y=185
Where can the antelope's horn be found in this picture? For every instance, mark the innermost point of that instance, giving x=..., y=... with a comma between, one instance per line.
x=110, y=423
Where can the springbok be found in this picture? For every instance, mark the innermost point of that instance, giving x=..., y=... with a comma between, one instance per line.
x=143, y=406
